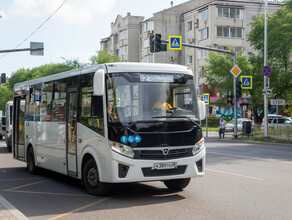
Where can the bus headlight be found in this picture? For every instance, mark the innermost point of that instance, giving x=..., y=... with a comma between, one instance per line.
x=198, y=146
x=122, y=149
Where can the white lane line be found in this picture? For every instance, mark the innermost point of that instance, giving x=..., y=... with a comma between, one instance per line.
x=11, y=209
x=248, y=157
x=235, y=174
x=233, y=155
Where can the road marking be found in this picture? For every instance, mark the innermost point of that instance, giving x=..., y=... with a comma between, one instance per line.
x=30, y=184
x=233, y=155
x=235, y=174
x=19, y=179
x=249, y=157
x=79, y=209
x=48, y=193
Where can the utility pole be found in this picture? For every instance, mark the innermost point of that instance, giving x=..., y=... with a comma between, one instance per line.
x=266, y=134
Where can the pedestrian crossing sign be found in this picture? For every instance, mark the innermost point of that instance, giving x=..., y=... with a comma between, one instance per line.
x=206, y=98
x=175, y=42
x=246, y=82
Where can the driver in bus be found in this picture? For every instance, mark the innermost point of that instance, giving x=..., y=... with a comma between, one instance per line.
x=162, y=104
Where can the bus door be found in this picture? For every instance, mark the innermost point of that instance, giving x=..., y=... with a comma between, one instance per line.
x=19, y=128
x=71, y=131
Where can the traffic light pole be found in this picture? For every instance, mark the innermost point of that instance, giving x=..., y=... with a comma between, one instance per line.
x=235, y=97
x=234, y=81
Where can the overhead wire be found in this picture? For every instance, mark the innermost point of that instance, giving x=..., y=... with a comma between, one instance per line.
x=37, y=28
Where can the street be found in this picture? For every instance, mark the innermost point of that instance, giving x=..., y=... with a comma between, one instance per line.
x=242, y=181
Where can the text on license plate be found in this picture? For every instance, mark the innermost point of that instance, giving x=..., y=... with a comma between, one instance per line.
x=165, y=165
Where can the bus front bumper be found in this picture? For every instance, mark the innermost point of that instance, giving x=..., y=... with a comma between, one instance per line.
x=125, y=169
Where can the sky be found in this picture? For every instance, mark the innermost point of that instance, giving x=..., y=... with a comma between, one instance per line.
x=74, y=31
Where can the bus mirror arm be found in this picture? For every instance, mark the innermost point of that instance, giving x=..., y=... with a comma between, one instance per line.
x=202, y=109
x=98, y=82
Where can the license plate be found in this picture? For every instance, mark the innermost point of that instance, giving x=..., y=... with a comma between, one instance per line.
x=165, y=165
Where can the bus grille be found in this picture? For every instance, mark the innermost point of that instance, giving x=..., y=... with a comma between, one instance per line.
x=160, y=155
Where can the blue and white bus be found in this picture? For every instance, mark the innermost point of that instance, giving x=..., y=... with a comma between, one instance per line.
x=112, y=123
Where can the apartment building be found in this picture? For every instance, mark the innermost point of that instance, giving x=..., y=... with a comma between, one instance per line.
x=219, y=24
x=124, y=38
x=212, y=23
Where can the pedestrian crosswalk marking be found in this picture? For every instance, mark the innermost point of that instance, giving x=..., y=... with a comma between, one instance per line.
x=175, y=43
x=246, y=82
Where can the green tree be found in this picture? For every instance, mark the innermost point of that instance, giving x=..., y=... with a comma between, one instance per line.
x=279, y=50
x=103, y=57
x=218, y=75
x=6, y=95
x=23, y=75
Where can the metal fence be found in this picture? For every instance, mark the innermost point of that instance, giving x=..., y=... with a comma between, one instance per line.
x=283, y=132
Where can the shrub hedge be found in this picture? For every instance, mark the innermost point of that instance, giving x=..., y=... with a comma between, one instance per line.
x=213, y=122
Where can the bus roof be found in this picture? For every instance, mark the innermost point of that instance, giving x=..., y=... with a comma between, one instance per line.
x=109, y=68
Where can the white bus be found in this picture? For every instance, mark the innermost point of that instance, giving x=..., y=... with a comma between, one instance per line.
x=103, y=124
x=8, y=135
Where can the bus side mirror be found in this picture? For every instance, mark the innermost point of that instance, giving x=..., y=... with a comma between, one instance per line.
x=202, y=109
x=98, y=83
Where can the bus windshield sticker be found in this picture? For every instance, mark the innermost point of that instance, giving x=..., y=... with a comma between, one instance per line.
x=156, y=78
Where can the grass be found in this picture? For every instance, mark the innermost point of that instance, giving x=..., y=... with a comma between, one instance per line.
x=210, y=129
x=265, y=140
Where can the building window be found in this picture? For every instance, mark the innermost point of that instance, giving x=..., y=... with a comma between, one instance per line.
x=120, y=35
x=203, y=34
x=224, y=12
x=202, y=54
x=201, y=71
x=146, y=43
x=190, y=25
x=145, y=59
x=148, y=26
x=229, y=32
x=204, y=15
x=120, y=52
x=190, y=60
x=200, y=90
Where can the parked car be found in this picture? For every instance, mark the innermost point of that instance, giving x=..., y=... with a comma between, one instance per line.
x=230, y=125
x=282, y=122
x=2, y=127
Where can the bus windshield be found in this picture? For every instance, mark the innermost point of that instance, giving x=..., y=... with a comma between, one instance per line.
x=138, y=97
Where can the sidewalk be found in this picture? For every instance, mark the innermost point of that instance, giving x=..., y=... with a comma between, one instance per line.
x=9, y=212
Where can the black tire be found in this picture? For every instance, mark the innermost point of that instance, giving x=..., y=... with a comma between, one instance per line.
x=91, y=182
x=177, y=184
x=31, y=167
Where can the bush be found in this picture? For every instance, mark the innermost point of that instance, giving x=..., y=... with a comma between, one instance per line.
x=213, y=122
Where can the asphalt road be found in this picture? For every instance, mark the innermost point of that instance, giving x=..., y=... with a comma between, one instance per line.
x=242, y=181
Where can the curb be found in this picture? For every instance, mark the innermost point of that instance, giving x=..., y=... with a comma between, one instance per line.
x=8, y=211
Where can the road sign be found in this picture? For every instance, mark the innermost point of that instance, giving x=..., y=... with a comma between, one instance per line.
x=277, y=102
x=206, y=97
x=246, y=82
x=267, y=91
x=175, y=43
x=37, y=48
x=267, y=71
x=235, y=71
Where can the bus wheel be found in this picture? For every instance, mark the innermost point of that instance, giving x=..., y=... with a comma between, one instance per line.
x=91, y=180
x=31, y=167
x=177, y=184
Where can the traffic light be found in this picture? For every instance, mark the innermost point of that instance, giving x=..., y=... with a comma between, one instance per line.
x=151, y=43
x=230, y=99
x=157, y=43
x=3, y=77
x=238, y=89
